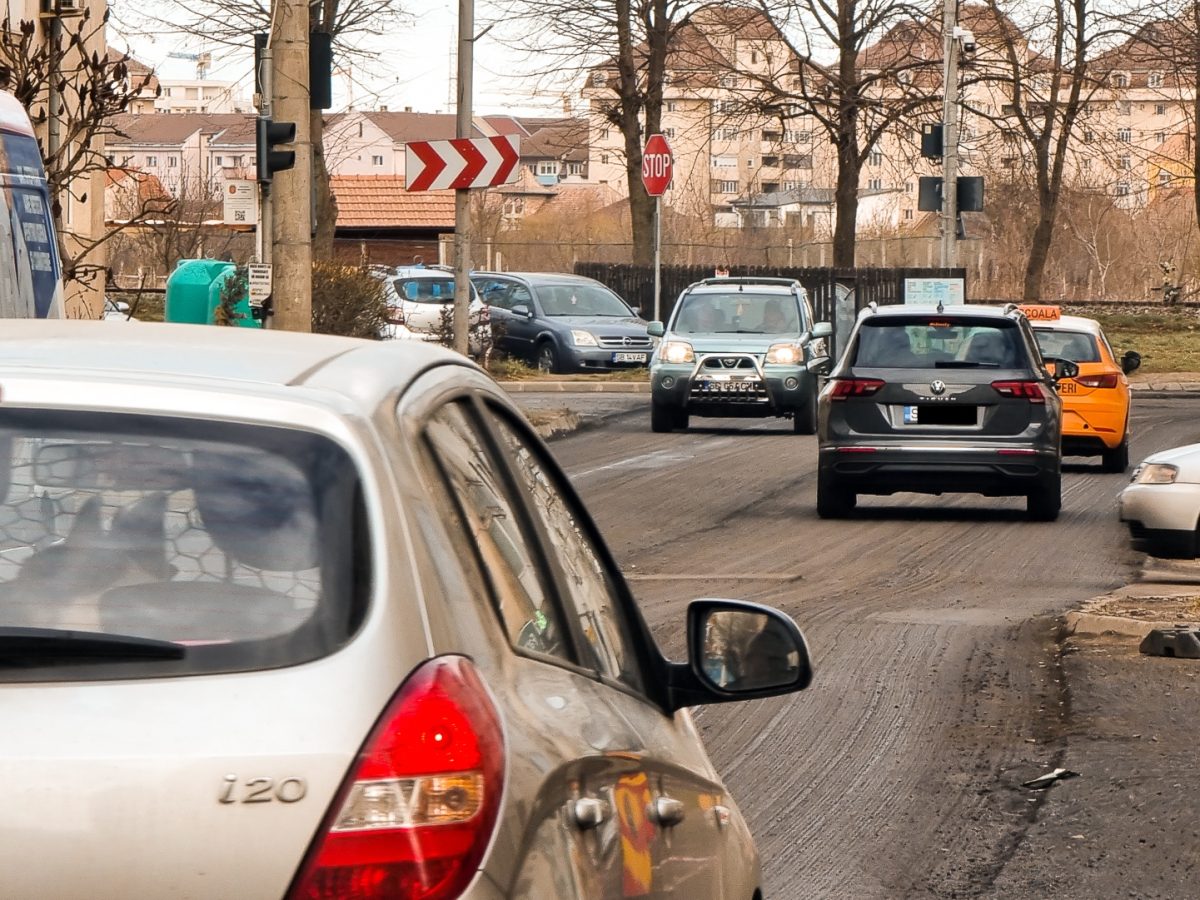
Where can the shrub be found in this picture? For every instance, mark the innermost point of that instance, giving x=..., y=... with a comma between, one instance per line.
x=347, y=301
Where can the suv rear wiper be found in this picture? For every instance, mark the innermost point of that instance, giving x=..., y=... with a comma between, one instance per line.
x=31, y=646
x=962, y=364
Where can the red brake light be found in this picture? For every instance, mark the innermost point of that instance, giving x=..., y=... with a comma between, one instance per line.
x=1098, y=381
x=854, y=387
x=416, y=811
x=1028, y=390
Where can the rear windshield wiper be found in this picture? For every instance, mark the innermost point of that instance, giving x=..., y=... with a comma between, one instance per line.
x=33, y=646
x=962, y=364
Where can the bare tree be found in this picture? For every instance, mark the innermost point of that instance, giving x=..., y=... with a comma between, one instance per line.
x=858, y=70
x=622, y=48
x=90, y=88
x=233, y=23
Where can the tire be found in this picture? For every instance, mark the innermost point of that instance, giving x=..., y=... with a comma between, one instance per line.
x=1045, y=504
x=1173, y=545
x=681, y=419
x=546, y=360
x=1116, y=459
x=833, y=500
x=804, y=421
x=663, y=418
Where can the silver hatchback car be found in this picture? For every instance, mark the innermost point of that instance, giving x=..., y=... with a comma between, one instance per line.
x=309, y=617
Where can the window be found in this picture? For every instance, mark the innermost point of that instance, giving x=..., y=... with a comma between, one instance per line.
x=1154, y=80
x=753, y=56
x=798, y=137
x=575, y=168
x=725, y=187
x=770, y=161
x=1124, y=107
x=590, y=596
x=172, y=162
x=1125, y=163
x=672, y=106
x=724, y=162
x=875, y=184
x=669, y=133
x=1009, y=162
x=772, y=136
x=490, y=521
x=908, y=187
x=1122, y=188
x=127, y=160
x=725, y=133
x=797, y=161
x=1164, y=178
x=727, y=106
x=1085, y=163
x=875, y=158
x=1119, y=79
x=1160, y=109
x=514, y=207
x=770, y=187
x=1088, y=135
x=728, y=81
x=599, y=79
x=908, y=214
x=1160, y=138
x=604, y=134
x=377, y=159
x=547, y=167
x=604, y=159
x=151, y=160
x=219, y=161
x=1008, y=109
x=1124, y=135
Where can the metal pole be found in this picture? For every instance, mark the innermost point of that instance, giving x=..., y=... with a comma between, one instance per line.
x=950, y=136
x=462, y=196
x=657, y=258
x=292, y=189
x=262, y=233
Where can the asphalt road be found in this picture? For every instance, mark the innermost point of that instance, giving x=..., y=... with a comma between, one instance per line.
x=933, y=623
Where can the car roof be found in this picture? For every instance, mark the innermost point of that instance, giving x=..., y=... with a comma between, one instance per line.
x=1068, y=323
x=205, y=355
x=958, y=309
x=744, y=287
x=540, y=277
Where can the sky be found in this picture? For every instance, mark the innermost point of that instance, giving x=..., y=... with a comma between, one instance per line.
x=413, y=66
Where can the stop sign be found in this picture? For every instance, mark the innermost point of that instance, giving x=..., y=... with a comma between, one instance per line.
x=656, y=165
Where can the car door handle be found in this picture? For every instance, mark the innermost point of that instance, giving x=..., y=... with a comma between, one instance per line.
x=667, y=811
x=588, y=813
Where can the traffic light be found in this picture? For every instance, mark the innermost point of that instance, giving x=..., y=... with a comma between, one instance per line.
x=931, y=140
x=267, y=134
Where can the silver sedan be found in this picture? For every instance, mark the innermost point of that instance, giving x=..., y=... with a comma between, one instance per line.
x=297, y=616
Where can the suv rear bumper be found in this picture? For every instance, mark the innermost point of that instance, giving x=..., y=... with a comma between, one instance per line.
x=994, y=471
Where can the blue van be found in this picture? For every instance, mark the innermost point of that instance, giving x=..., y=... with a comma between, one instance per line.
x=30, y=267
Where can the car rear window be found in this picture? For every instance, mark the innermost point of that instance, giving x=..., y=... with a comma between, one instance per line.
x=428, y=290
x=243, y=545
x=1078, y=346
x=939, y=342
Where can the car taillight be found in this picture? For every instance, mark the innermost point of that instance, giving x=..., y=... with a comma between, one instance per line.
x=854, y=387
x=1027, y=390
x=416, y=811
x=1098, y=381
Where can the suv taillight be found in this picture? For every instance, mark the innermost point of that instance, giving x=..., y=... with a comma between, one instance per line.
x=418, y=807
x=855, y=387
x=1098, y=381
x=1026, y=390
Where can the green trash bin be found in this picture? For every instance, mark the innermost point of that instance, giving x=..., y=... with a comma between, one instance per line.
x=186, y=298
x=243, y=315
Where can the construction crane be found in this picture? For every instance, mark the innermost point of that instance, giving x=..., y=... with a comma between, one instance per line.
x=202, y=61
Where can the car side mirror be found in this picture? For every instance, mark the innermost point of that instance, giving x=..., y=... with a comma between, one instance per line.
x=655, y=329
x=739, y=651
x=822, y=330
x=1131, y=361
x=522, y=310
x=819, y=365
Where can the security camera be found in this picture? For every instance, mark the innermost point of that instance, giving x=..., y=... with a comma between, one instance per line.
x=966, y=40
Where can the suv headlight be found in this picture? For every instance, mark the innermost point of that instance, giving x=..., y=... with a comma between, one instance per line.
x=784, y=355
x=678, y=352
x=1155, y=473
x=583, y=338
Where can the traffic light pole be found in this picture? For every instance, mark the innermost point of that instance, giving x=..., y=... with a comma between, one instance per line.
x=462, y=196
x=291, y=192
x=263, y=233
x=949, y=230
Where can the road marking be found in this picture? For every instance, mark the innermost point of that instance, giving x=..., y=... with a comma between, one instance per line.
x=762, y=576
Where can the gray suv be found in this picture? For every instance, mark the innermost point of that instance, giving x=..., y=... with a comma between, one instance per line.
x=940, y=400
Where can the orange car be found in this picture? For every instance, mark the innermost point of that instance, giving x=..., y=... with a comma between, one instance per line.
x=1096, y=401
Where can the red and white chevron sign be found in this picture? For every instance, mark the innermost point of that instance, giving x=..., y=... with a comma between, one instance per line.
x=461, y=163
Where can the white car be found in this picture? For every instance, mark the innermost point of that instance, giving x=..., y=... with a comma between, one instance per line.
x=1161, y=505
x=117, y=311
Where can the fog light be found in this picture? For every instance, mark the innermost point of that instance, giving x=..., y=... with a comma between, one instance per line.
x=792, y=383
x=668, y=382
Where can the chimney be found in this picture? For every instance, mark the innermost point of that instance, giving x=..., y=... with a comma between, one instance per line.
x=383, y=107
x=408, y=109
x=566, y=104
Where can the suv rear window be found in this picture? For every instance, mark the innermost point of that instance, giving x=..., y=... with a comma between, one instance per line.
x=428, y=289
x=933, y=342
x=242, y=545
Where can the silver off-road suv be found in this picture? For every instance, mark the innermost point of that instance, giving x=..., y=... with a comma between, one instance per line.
x=940, y=400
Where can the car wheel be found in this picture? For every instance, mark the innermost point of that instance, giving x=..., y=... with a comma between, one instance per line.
x=833, y=500
x=805, y=419
x=1117, y=459
x=663, y=418
x=681, y=419
x=547, y=359
x=1173, y=545
x=1045, y=504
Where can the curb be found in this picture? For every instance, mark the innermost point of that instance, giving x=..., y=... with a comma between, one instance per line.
x=577, y=387
x=1085, y=623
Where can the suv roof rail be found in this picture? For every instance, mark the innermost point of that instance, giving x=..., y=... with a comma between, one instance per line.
x=1011, y=308
x=748, y=279
x=873, y=305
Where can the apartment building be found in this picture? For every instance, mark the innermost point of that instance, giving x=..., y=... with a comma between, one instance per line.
x=179, y=96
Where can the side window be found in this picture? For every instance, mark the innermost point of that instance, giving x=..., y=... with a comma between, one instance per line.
x=496, y=293
x=590, y=595
x=519, y=295
x=488, y=515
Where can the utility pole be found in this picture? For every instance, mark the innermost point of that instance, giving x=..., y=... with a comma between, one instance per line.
x=291, y=192
x=950, y=136
x=264, y=233
x=462, y=196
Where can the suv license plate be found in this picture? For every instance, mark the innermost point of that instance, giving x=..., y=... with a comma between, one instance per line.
x=629, y=357
x=910, y=415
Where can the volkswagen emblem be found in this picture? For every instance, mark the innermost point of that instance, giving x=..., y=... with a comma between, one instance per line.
x=938, y=387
